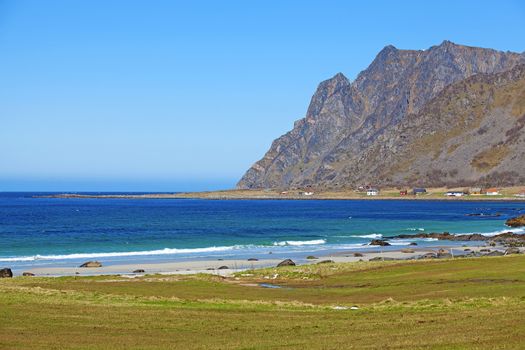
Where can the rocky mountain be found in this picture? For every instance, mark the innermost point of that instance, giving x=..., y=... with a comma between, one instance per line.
x=412, y=117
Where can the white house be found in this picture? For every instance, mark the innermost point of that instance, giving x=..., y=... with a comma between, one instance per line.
x=455, y=194
x=492, y=192
x=372, y=192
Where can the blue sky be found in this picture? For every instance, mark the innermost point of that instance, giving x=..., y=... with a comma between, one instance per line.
x=166, y=95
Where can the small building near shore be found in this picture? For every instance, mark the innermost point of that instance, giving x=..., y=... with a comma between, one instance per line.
x=372, y=192
x=492, y=192
x=403, y=192
x=455, y=193
x=419, y=190
x=475, y=190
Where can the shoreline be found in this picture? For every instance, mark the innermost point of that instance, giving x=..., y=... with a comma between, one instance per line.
x=209, y=266
x=433, y=194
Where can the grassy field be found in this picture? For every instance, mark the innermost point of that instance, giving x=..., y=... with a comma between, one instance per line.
x=441, y=304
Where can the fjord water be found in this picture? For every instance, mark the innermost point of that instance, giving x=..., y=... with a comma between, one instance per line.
x=44, y=231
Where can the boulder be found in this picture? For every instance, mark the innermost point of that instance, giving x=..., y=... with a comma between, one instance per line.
x=512, y=250
x=358, y=255
x=495, y=253
x=287, y=262
x=139, y=271
x=379, y=258
x=407, y=250
x=91, y=264
x=412, y=243
x=445, y=256
x=516, y=222
x=28, y=274
x=428, y=256
x=326, y=262
x=311, y=257
x=379, y=242
x=223, y=267
x=253, y=259
x=6, y=273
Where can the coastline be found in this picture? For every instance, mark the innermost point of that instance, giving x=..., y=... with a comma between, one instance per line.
x=213, y=267
x=433, y=194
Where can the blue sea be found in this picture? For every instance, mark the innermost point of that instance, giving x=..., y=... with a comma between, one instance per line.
x=39, y=232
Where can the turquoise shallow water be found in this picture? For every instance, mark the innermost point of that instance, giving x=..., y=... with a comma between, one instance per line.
x=44, y=231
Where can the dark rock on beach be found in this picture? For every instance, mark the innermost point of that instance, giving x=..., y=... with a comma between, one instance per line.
x=512, y=250
x=224, y=267
x=287, y=262
x=379, y=242
x=139, y=271
x=358, y=255
x=326, y=262
x=28, y=274
x=6, y=273
x=91, y=264
x=253, y=259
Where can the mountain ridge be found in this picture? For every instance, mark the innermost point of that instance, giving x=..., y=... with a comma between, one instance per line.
x=344, y=118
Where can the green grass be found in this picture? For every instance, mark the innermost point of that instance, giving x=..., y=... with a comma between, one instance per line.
x=443, y=304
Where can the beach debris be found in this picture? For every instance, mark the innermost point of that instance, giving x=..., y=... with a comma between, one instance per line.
x=6, y=273
x=354, y=308
x=380, y=242
x=358, y=255
x=516, y=222
x=311, y=257
x=286, y=262
x=407, y=250
x=326, y=262
x=275, y=276
x=28, y=274
x=223, y=267
x=139, y=271
x=339, y=307
x=247, y=274
x=253, y=259
x=91, y=264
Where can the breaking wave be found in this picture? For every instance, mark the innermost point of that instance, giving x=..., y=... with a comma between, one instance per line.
x=299, y=243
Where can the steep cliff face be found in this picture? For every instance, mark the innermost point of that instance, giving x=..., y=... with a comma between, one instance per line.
x=345, y=119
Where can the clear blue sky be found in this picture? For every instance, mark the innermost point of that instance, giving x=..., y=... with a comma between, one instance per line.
x=166, y=95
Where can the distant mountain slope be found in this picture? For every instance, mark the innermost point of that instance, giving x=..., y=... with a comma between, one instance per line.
x=351, y=130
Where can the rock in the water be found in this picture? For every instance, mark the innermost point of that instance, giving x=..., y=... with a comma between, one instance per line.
x=91, y=264
x=287, y=262
x=223, y=267
x=311, y=257
x=326, y=262
x=358, y=255
x=379, y=242
x=6, y=273
x=413, y=243
x=512, y=250
x=516, y=222
x=28, y=274
x=139, y=271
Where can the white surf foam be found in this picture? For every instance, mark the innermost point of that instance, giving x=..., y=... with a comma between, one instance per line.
x=372, y=235
x=299, y=243
x=165, y=251
x=494, y=233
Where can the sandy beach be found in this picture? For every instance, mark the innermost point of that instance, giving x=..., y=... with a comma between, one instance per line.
x=227, y=267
